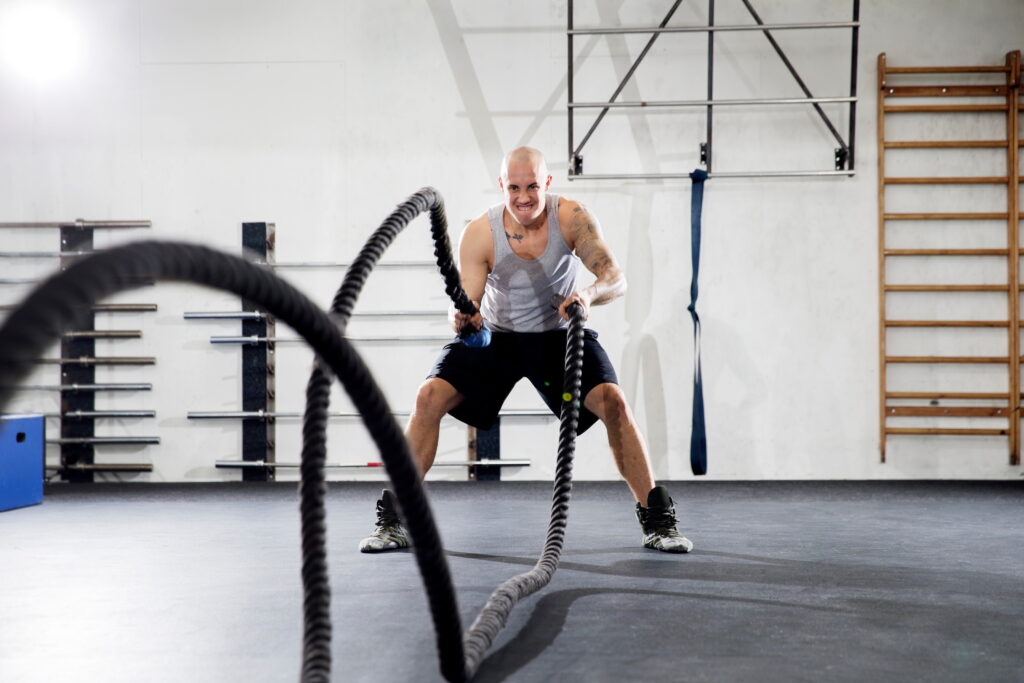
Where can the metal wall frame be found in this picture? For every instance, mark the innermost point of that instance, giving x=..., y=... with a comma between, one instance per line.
x=843, y=154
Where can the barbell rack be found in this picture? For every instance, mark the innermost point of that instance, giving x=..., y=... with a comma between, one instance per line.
x=78, y=360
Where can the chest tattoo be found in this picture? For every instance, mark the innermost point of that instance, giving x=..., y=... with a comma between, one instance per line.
x=517, y=238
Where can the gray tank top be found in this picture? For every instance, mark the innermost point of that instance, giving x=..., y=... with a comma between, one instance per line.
x=518, y=294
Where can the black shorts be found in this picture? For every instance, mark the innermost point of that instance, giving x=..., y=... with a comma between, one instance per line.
x=485, y=376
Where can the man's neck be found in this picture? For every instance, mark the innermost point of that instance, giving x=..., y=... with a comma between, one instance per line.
x=534, y=225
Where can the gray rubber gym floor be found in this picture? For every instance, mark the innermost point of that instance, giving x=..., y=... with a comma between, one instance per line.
x=788, y=582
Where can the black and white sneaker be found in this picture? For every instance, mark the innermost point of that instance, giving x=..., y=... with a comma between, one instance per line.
x=658, y=521
x=388, y=534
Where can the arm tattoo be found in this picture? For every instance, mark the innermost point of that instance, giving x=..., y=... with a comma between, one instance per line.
x=600, y=264
x=581, y=224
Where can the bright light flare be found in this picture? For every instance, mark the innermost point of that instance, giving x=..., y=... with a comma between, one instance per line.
x=40, y=43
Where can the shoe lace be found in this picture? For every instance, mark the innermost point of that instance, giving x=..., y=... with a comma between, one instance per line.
x=386, y=516
x=660, y=518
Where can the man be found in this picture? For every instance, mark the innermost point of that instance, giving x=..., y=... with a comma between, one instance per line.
x=513, y=260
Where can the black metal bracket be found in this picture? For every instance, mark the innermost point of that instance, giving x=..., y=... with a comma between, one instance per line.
x=488, y=447
x=577, y=164
x=841, y=156
x=703, y=154
x=258, y=390
x=77, y=239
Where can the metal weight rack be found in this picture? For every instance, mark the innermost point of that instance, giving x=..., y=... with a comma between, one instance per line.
x=258, y=343
x=78, y=360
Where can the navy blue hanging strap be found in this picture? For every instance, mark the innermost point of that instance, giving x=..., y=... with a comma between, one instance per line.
x=698, y=437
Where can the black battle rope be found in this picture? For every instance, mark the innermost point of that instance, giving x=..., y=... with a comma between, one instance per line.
x=495, y=613
x=403, y=472
x=460, y=655
x=63, y=302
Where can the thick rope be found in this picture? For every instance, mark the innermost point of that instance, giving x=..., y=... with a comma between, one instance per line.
x=63, y=302
x=404, y=475
x=316, y=659
x=494, y=615
x=460, y=655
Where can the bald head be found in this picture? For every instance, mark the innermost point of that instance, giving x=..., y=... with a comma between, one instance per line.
x=527, y=157
x=524, y=182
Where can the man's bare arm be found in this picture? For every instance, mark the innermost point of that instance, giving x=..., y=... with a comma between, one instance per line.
x=593, y=251
x=474, y=265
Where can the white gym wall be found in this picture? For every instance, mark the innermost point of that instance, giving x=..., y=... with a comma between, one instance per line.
x=321, y=115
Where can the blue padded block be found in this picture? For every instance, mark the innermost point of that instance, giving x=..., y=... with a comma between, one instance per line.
x=22, y=446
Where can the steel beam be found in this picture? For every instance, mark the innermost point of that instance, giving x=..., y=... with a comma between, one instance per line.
x=105, y=440
x=739, y=174
x=80, y=224
x=88, y=387
x=104, y=414
x=709, y=103
x=710, y=28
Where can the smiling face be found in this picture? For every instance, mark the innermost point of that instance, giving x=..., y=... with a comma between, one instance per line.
x=524, y=182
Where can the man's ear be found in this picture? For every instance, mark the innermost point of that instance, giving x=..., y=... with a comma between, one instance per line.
x=547, y=183
x=501, y=184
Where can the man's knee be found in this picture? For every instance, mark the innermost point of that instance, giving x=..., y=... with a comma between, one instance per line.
x=436, y=397
x=608, y=402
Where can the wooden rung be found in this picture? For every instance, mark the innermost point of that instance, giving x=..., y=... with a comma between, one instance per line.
x=947, y=288
x=947, y=359
x=969, y=395
x=947, y=69
x=944, y=90
x=945, y=411
x=944, y=108
x=939, y=431
x=947, y=323
x=943, y=216
x=946, y=252
x=970, y=180
x=943, y=144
